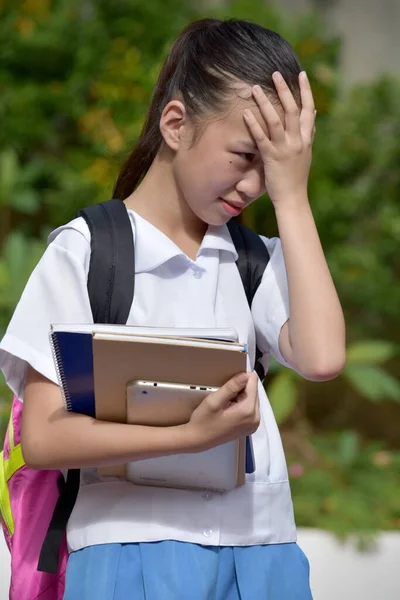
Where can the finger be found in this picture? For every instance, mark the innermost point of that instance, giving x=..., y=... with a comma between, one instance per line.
x=258, y=412
x=250, y=393
x=307, y=124
x=314, y=133
x=260, y=137
x=248, y=400
x=307, y=115
x=252, y=386
x=269, y=114
x=307, y=98
x=292, y=111
x=229, y=391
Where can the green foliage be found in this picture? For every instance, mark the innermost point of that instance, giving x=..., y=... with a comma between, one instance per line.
x=282, y=394
x=373, y=382
x=76, y=77
x=355, y=186
x=341, y=482
x=19, y=257
x=362, y=372
x=348, y=487
x=371, y=352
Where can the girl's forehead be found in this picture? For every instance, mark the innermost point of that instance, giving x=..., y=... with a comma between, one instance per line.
x=244, y=99
x=232, y=120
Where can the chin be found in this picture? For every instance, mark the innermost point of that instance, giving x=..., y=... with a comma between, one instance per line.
x=210, y=213
x=215, y=218
x=217, y=222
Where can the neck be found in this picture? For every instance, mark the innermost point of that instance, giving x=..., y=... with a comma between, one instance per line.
x=159, y=200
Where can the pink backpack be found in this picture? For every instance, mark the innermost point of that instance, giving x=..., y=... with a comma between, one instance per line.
x=27, y=501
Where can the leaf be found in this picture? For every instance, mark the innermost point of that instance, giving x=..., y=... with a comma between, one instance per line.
x=20, y=256
x=282, y=394
x=26, y=201
x=348, y=447
x=8, y=173
x=371, y=352
x=373, y=382
x=274, y=366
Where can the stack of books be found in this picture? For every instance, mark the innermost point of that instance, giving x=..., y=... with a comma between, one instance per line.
x=154, y=376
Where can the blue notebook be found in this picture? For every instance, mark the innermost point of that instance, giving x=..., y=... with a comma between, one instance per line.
x=73, y=357
x=72, y=347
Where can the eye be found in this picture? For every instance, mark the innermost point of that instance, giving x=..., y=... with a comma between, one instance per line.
x=247, y=156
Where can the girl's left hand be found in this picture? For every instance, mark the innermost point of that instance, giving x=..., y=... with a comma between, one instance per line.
x=285, y=147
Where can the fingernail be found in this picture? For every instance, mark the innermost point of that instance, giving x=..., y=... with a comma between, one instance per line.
x=277, y=76
x=242, y=378
x=257, y=90
x=304, y=76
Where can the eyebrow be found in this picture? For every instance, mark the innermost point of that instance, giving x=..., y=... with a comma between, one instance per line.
x=248, y=144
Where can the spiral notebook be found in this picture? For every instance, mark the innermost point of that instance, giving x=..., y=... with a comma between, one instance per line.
x=96, y=362
x=72, y=346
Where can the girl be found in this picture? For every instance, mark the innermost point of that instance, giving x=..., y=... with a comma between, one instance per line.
x=232, y=116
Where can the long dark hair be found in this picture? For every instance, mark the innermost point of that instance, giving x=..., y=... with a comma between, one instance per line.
x=205, y=61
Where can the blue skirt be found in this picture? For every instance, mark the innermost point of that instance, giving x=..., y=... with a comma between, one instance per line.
x=171, y=570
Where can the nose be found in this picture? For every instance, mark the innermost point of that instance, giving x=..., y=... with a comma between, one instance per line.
x=252, y=184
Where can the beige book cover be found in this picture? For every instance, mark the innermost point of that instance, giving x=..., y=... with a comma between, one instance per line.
x=118, y=360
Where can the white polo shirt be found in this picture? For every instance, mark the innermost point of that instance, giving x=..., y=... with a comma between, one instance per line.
x=174, y=291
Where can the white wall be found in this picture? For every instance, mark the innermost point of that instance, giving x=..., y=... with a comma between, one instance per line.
x=4, y=568
x=369, y=30
x=340, y=572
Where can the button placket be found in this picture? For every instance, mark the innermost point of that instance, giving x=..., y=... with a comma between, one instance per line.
x=197, y=271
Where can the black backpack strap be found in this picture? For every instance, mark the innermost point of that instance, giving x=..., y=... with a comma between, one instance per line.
x=111, y=280
x=68, y=492
x=111, y=285
x=253, y=257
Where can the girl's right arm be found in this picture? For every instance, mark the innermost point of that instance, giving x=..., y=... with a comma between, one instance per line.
x=53, y=438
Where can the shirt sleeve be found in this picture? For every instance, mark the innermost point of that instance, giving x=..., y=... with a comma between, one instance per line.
x=56, y=292
x=270, y=307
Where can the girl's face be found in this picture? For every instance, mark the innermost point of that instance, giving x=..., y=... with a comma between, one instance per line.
x=221, y=172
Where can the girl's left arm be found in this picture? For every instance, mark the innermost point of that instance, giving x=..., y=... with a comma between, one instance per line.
x=313, y=339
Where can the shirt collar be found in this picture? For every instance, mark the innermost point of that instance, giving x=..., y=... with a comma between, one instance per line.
x=218, y=238
x=153, y=247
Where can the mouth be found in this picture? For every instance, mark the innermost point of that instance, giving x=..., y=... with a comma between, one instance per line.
x=233, y=209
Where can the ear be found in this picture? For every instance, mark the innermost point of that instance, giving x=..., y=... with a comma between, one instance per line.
x=172, y=123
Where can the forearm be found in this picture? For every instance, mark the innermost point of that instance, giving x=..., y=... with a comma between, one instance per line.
x=77, y=441
x=316, y=329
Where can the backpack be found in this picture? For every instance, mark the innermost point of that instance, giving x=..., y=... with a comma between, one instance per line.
x=35, y=505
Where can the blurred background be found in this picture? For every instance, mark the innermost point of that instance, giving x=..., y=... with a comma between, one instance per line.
x=75, y=80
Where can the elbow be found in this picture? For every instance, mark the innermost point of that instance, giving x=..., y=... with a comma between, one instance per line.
x=35, y=455
x=32, y=459
x=324, y=370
